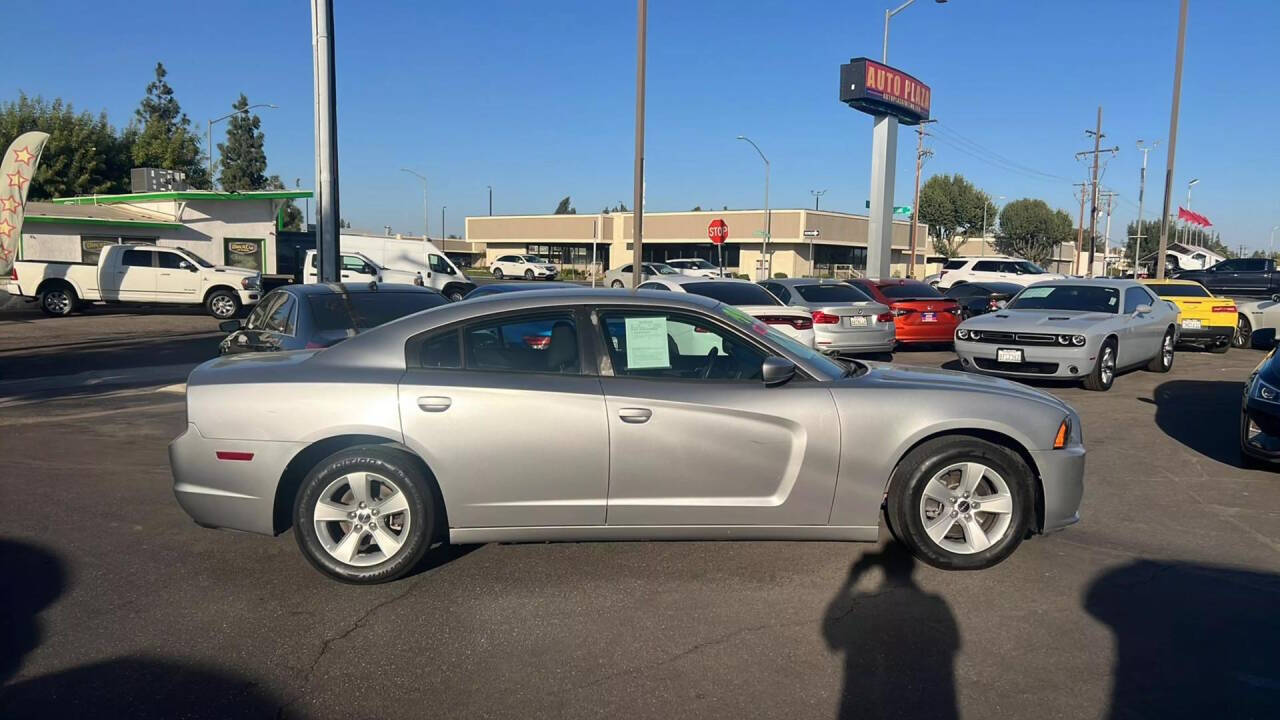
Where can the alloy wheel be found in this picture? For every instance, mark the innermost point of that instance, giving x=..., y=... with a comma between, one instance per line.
x=966, y=508
x=57, y=301
x=1166, y=351
x=1244, y=333
x=362, y=519
x=1108, y=362
x=222, y=306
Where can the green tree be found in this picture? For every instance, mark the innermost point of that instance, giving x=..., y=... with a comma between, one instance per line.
x=696, y=208
x=952, y=208
x=163, y=134
x=1029, y=228
x=564, y=208
x=290, y=215
x=84, y=154
x=244, y=161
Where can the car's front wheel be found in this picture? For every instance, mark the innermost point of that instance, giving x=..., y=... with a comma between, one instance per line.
x=1104, y=371
x=1163, y=361
x=222, y=304
x=364, y=515
x=528, y=274
x=961, y=503
x=497, y=273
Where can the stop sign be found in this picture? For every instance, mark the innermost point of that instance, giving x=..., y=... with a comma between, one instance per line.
x=718, y=231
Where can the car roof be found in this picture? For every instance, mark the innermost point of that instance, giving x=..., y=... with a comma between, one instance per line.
x=1094, y=282
x=525, y=286
x=792, y=282
x=351, y=288
x=687, y=279
x=1168, y=281
x=986, y=257
x=892, y=281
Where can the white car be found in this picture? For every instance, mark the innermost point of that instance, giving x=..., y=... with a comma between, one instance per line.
x=529, y=267
x=695, y=267
x=993, y=268
x=359, y=268
x=794, y=322
x=1256, y=321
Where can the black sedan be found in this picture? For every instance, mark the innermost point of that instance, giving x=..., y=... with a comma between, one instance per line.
x=979, y=298
x=1260, y=413
x=297, y=317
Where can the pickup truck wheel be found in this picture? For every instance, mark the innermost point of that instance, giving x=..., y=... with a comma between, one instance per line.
x=222, y=304
x=58, y=300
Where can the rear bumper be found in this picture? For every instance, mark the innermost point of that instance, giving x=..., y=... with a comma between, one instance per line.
x=927, y=333
x=235, y=494
x=1212, y=333
x=1062, y=479
x=880, y=339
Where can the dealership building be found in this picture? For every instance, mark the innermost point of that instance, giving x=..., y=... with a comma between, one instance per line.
x=802, y=242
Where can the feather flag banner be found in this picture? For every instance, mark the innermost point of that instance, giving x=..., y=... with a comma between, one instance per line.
x=16, y=170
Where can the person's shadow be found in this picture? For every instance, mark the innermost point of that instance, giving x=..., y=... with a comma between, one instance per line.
x=899, y=642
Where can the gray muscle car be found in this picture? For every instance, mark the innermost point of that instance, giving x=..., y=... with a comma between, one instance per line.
x=1085, y=330
x=611, y=415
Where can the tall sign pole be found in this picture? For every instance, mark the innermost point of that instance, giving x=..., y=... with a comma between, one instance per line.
x=637, y=197
x=326, y=113
x=1173, y=140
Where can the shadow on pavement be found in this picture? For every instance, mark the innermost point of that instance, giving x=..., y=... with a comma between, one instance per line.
x=1191, y=640
x=1204, y=415
x=115, y=354
x=899, y=642
x=34, y=578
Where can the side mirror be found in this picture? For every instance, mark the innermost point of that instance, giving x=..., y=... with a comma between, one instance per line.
x=1275, y=298
x=230, y=326
x=776, y=370
x=1142, y=309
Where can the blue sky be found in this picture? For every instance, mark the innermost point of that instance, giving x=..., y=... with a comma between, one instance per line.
x=536, y=99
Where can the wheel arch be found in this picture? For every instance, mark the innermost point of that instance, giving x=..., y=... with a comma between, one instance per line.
x=297, y=468
x=204, y=300
x=50, y=282
x=460, y=286
x=995, y=437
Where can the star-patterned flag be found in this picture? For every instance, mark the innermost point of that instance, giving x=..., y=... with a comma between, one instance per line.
x=17, y=168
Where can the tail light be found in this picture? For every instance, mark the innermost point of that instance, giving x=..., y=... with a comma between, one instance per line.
x=313, y=345
x=1224, y=308
x=884, y=317
x=799, y=323
x=899, y=312
x=821, y=318
x=954, y=310
x=538, y=342
x=13, y=274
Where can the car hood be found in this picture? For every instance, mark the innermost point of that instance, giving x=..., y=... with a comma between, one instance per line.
x=1046, y=321
x=237, y=271
x=910, y=377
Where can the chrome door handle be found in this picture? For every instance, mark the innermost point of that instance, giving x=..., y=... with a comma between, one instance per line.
x=434, y=403
x=635, y=415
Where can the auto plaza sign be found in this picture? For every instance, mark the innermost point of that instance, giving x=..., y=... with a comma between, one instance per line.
x=878, y=89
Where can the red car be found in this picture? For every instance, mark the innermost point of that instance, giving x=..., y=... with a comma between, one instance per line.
x=920, y=313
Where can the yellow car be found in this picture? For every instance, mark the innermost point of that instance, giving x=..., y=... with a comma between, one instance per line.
x=1205, y=320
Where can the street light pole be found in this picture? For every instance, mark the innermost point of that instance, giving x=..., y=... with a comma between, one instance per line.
x=768, y=219
x=1272, y=254
x=1173, y=139
x=884, y=54
x=425, y=223
x=1142, y=187
x=442, y=207
x=817, y=194
x=490, y=200
x=209, y=133
x=637, y=190
x=1189, y=185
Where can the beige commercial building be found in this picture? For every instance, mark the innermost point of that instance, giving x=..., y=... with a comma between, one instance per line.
x=603, y=241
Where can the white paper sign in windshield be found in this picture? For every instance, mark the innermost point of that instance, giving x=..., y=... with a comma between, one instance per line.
x=647, y=343
x=1035, y=292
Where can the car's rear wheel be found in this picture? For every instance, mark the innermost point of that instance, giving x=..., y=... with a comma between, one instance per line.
x=364, y=515
x=528, y=274
x=961, y=503
x=616, y=284
x=1104, y=371
x=58, y=300
x=1163, y=361
x=497, y=273
x=1244, y=333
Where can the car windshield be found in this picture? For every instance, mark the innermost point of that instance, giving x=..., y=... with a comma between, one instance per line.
x=835, y=292
x=1084, y=298
x=909, y=290
x=1178, y=290
x=533, y=259
x=662, y=269
x=365, y=310
x=733, y=293
x=199, y=260
x=756, y=327
x=697, y=264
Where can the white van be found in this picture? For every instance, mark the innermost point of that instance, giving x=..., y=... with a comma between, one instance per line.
x=398, y=260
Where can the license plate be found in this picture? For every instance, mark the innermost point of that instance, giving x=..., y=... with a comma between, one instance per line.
x=1012, y=355
x=858, y=321
x=1191, y=324
x=928, y=317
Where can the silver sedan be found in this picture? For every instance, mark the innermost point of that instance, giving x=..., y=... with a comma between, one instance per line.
x=846, y=321
x=603, y=415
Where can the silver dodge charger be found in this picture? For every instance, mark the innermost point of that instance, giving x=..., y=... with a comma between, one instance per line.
x=611, y=415
x=1084, y=330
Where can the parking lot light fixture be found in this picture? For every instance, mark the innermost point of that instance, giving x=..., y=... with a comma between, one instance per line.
x=215, y=121
x=764, y=248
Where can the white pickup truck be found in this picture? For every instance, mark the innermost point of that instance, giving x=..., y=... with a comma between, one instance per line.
x=141, y=274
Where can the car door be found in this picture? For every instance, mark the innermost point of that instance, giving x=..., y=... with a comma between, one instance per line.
x=356, y=270
x=508, y=420
x=1224, y=278
x=134, y=278
x=176, y=278
x=1142, y=331
x=695, y=437
x=439, y=271
x=988, y=270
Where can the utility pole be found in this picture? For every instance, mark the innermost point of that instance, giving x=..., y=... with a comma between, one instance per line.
x=816, y=195
x=921, y=154
x=1106, y=242
x=1142, y=187
x=490, y=200
x=1075, y=263
x=326, y=133
x=1093, y=205
x=1173, y=139
x=637, y=195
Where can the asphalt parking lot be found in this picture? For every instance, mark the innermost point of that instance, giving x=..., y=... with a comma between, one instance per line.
x=1160, y=603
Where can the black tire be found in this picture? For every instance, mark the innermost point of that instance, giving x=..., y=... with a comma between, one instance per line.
x=528, y=274
x=454, y=295
x=497, y=273
x=918, y=469
x=1163, y=361
x=1244, y=333
x=1100, y=380
x=222, y=304
x=617, y=284
x=415, y=539
x=58, y=300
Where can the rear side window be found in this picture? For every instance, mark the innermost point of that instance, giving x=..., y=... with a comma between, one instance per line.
x=136, y=258
x=442, y=352
x=1176, y=290
x=732, y=293
x=169, y=261
x=988, y=266
x=954, y=264
x=543, y=343
x=372, y=309
x=831, y=293
x=653, y=286
x=330, y=312
x=779, y=291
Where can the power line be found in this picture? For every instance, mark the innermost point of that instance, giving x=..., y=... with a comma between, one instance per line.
x=996, y=163
x=956, y=136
